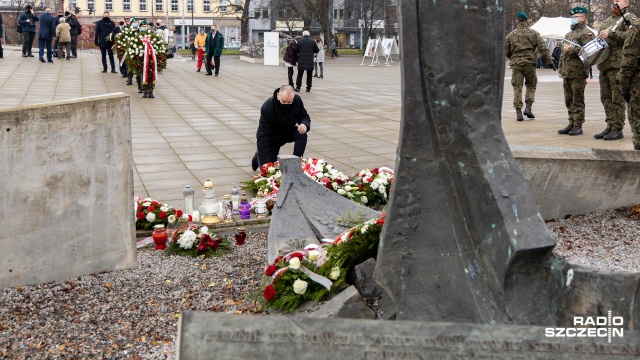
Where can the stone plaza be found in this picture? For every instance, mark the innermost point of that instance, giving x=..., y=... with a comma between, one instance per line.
x=199, y=127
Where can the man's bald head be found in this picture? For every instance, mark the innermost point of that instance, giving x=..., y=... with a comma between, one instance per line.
x=286, y=94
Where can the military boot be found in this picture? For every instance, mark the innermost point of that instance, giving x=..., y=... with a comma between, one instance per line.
x=519, y=115
x=145, y=95
x=615, y=134
x=129, y=82
x=601, y=134
x=527, y=111
x=577, y=130
x=151, y=94
x=566, y=130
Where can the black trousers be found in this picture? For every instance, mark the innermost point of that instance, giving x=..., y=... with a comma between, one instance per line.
x=103, y=52
x=28, y=42
x=216, y=62
x=290, y=74
x=299, y=79
x=300, y=144
x=74, y=45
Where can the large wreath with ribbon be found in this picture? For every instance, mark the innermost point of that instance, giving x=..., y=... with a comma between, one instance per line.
x=144, y=52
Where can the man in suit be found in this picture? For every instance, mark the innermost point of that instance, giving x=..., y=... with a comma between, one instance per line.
x=103, y=39
x=213, y=48
x=46, y=34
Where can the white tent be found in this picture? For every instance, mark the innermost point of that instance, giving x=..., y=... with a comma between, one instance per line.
x=552, y=28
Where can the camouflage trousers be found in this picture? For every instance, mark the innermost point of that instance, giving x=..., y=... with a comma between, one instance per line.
x=148, y=87
x=611, y=99
x=633, y=112
x=574, y=99
x=526, y=74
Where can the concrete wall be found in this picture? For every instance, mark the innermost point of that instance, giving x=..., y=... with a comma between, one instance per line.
x=565, y=181
x=66, y=190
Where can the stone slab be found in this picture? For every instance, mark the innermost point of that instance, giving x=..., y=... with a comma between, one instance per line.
x=66, y=190
x=228, y=336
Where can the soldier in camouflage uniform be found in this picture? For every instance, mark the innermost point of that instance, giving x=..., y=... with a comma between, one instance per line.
x=521, y=46
x=629, y=80
x=609, y=90
x=574, y=72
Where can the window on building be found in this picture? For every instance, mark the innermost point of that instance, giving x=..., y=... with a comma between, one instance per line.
x=223, y=6
x=91, y=5
x=206, y=5
x=351, y=14
x=335, y=13
x=258, y=12
x=108, y=5
x=265, y=13
x=341, y=14
x=126, y=5
x=143, y=5
x=174, y=5
x=190, y=5
x=159, y=5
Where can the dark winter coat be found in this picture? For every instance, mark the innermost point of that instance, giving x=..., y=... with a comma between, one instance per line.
x=290, y=55
x=47, y=27
x=306, y=48
x=103, y=32
x=277, y=121
x=216, y=45
x=28, y=27
x=1, y=25
x=73, y=22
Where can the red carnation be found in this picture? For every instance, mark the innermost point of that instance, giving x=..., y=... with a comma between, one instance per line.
x=375, y=171
x=278, y=259
x=298, y=255
x=163, y=215
x=205, y=238
x=380, y=221
x=213, y=245
x=269, y=292
x=155, y=203
x=202, y=247
x=271, y=269
x=151, y=209
x=190, y=218
x=139, y=207
x=339, y=181
x=360, y=187
x=140, y=215
x=179, y=213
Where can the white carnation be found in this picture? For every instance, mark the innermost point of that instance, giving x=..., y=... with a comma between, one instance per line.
x=382, y=190
x=164, y=208
x=374, y=184
x=341, y=192
x=151, y=217
x=364, y=199
x=348, y=188
x=334, y=185
x=145, y=204
x=187, y=239
x=335, y=273
x=171, y=219
x=204, y=230
x=294, y=263
x=299, y=287
x=313, y=255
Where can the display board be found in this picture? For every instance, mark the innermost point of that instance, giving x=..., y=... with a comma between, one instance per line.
x=271, y=48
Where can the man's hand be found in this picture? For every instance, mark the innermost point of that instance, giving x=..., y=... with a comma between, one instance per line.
x=302, y=128
x=626, y=95
x=604, y=34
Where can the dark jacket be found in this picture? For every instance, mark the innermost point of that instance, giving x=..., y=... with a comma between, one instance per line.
x=1, y=25
x=74, y=23
x=277, y=121
x=103, y=32
x=47, y=27
x=290, y=55
x=305, y=49
x=218, y=44
x=28, y=27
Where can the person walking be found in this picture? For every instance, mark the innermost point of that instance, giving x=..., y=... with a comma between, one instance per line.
x=334, y=51
x=199, y=43
x=76, y=29
x=290, y=59
x=521, y=46
x=283, y=119
x=103, y=40
x=610, y=96
x=192, y=47
x=63, y=36
x=574, y=72
x=306, y=48
x=319, y=59
x=27, y=21
x=213, y=48
x=556, y=55
x=46, y=34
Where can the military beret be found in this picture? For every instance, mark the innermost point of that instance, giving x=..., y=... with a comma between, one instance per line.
x=522, y=15
x=578, y=10
x=143, y=22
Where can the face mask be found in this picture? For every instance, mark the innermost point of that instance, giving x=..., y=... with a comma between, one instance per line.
x=143, y=29
x=106, y=18
x=159, y=24
x=201, y=32
x=574, y=21
x=135, y=26
x=121, y=23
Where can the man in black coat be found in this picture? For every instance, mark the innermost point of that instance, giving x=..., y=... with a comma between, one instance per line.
x=1, y=36
x=27, y=21
x=103, y=39
x=306, y=49
x=46, y=33
x=117, y=30
x=283, y=119
x=73, y=22
x=57, y=21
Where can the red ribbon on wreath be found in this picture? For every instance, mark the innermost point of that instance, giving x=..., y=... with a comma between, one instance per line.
x=149, y=55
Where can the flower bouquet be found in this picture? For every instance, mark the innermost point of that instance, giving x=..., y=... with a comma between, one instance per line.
x=195, y=240
x=150, y=212
x=374, y=185
x=129, y=45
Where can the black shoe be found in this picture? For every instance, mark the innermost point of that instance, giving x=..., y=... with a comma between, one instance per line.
x=614, y=135
x=68, y=58
x=216, y=75
x=254, y=162
x=114, y=71
x=308, y=90
x=321, y=77
x=74, y=56
x=129, y=81
x=41, y=60
x=519, y=115
x=315, y=75
x=208, y=74
x=104, y=70
x=297, y=89
x=24, y=55
x=198, y=70
x=577, y=130
x=151, y=95
x=566, y=130
x=601, y=134
x=50, y=61
x=30, y=55
x=139, y=91
x=145, y=95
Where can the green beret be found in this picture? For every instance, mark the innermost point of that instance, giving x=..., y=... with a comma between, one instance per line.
x=522, y=15
x=578, y=10
x=143, y=22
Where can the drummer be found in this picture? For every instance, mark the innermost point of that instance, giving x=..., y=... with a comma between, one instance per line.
x=573, y=71
x=610, y=96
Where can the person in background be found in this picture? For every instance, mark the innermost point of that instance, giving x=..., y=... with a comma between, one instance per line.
x=319, y=58
x=556, y=55
x=63, y=37
x=102, y=39
x=290, y=59
x=213, y=48
x=334, y=51
x=306, y=50
x=162, y=30
x=57, y=22
x=27, y=21
x=76, y=29
x=1, y=37
x=198, y=43
x=46, y=34
x=134, y=30
x=120, y=25
x=192, y=47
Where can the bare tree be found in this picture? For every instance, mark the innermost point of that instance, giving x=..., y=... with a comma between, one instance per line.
x=242, y=13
